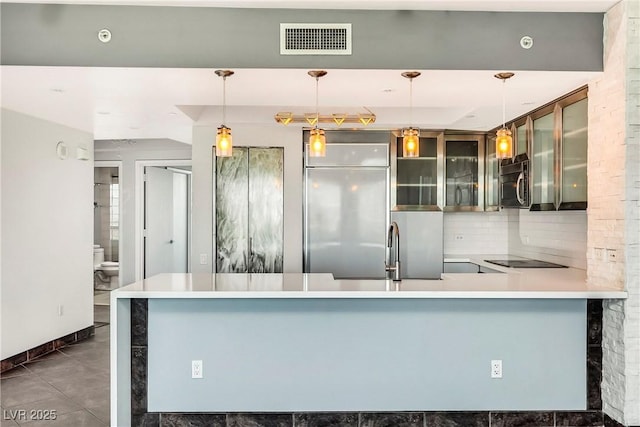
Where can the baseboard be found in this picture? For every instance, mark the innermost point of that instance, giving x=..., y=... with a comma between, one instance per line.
x=46, y=348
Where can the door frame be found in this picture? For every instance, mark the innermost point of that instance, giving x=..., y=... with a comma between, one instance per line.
x=139, y=211
x=115, y=164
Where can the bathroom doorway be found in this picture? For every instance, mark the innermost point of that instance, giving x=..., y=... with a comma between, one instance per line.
x=107, y=215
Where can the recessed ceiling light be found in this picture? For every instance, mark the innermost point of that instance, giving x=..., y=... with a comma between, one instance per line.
x=528, y=103
x=470, y=116
x=388, y=90
x=57, y=90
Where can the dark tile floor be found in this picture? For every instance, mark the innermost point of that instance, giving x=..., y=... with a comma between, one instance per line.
x=72, y=381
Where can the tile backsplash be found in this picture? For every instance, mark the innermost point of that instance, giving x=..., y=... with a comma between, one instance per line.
x=476, y=233
x=559, y=237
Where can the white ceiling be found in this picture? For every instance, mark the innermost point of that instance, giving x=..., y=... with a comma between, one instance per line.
x=140, y=103
x=152, y=103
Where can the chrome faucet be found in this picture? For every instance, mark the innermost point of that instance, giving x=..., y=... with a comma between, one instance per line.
x=393, y=231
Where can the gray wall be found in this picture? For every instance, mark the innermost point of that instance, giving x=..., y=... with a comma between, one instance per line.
x=129, y=154
x=288, y=355
x=51, y=34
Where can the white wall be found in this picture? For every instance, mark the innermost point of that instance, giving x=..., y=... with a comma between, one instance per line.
x=614, y=207
x=129, y=154
x=47, y=233
x=203, y=202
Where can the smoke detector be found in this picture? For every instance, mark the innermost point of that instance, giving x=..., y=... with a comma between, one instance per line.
x=526, y=42
x=104, y=35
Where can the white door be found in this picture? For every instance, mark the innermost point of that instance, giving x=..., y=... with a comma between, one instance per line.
x=166, y=219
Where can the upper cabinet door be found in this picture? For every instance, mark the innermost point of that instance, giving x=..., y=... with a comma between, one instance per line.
x=415, y=180
x=492, y=176
x=521, y=139
x=573, y=156
x=464, y=172
x=543, y=164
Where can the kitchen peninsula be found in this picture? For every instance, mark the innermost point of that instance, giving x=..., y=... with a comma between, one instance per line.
x=294, y=342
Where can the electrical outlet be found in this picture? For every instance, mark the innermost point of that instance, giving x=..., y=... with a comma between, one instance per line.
x=611, y=255
x=459, y=237
x=496, y=369
x=598, y=253
x=60, y=310
x=203, y=259
x=196, y=369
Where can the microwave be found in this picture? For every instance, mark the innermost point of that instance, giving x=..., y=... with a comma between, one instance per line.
x=514, y=182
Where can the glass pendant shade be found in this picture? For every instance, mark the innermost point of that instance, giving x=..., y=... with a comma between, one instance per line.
x=224, y=143
x=504, y=141
x=317, y=140
x=411, y=142
x=504, y=144
x=317, y=143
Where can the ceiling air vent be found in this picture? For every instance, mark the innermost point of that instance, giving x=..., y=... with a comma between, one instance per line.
x=315, y=39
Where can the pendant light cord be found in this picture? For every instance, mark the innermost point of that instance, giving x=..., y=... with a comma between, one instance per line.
x=224, y=100
x=504, y=81
x=411, y=102
x=317, y=110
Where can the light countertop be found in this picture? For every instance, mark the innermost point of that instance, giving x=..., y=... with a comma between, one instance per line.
x=564, y=283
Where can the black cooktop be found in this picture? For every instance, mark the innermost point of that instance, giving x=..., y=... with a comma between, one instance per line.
x=524, y=263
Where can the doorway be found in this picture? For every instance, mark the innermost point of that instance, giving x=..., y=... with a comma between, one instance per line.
x=107, y=214
x=164, y=217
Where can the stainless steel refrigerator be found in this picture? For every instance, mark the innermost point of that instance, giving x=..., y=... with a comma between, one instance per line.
x=347, y=210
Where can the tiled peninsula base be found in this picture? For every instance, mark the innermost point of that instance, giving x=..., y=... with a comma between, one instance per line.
x=591, y=417
x=381, y=419
x=46, y=348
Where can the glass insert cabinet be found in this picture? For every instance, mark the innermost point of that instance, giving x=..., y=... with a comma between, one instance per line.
x=448, y=175
x=555, y=138
x=417, y=181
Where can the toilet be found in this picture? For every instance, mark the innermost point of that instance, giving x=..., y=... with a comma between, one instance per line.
x=98, y=256
x=106, y=273
x=110, y=268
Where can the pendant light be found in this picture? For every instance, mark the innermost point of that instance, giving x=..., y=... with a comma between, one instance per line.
x=411, y=135
x=504, y=140
x=317, y=140
x=224, y=145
